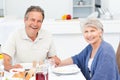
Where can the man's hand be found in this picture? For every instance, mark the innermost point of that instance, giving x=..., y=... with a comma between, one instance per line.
x=17, y=66
x=56, y=59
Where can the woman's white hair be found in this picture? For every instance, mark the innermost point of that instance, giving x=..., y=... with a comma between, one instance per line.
x=93, y=22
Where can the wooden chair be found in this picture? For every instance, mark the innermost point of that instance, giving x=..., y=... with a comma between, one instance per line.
x=118, y=57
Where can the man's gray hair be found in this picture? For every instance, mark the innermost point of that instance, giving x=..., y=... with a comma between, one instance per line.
x=34, y=8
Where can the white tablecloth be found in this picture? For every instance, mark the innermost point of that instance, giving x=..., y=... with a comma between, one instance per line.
x=78, y=76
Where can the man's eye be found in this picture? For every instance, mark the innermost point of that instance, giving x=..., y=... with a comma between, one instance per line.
x=40, y=21
x=92, y=30
x=85, y=31
x=32, y=20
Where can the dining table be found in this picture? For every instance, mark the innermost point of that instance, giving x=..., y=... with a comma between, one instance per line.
x=69, y=72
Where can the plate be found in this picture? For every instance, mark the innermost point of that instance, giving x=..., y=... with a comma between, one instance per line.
x=66, y=70
x=16, y=70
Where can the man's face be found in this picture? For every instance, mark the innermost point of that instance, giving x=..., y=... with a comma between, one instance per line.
x=33, y=22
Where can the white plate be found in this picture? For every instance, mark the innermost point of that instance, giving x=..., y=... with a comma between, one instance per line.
x=16, y=70
x=66, y=70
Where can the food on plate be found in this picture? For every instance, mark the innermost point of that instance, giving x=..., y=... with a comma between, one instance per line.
x=19, y=75
x=26, y=75
x=23, y=75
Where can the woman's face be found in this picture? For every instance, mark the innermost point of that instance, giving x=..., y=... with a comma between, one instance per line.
x=92, y=35
x=33, y=23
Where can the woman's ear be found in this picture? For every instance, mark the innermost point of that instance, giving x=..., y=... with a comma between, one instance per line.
x=101, y=33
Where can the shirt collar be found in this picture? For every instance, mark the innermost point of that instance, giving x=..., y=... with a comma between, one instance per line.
x=24, y=35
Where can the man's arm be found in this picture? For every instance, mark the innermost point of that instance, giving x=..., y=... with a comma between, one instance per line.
x=7, y=63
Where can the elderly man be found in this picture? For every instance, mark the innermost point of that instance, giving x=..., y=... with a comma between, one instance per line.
x=30, y=43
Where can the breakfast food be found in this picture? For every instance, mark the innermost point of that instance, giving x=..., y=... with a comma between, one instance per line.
x=19, y=75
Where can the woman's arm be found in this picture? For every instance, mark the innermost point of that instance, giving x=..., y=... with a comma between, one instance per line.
x=67, y=61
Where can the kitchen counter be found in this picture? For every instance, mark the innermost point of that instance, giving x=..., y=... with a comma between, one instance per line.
x=73, y=26
x=64, y=26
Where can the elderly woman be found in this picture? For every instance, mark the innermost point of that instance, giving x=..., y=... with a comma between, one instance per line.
x=97, y=60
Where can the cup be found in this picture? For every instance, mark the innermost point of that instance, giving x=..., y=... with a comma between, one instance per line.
x=41, y=72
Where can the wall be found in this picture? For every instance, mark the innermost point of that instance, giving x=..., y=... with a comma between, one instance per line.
x=53, y=8
x=114, y=6
x=105, y=3
x=1, y=4
x=2, y=7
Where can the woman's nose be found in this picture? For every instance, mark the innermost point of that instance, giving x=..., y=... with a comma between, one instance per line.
x=89, y=34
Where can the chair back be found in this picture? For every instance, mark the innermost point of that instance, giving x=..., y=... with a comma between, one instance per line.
x=118, y=57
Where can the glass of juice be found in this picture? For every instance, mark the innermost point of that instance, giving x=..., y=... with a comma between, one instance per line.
x=41, y=72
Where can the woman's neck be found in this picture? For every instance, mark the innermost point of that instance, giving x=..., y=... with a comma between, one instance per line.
x=95, y=47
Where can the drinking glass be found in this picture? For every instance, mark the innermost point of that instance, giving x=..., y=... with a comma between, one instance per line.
x=42, y=72
x=50, y=63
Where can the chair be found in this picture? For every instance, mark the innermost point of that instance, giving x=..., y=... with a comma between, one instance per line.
x=118, y=57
